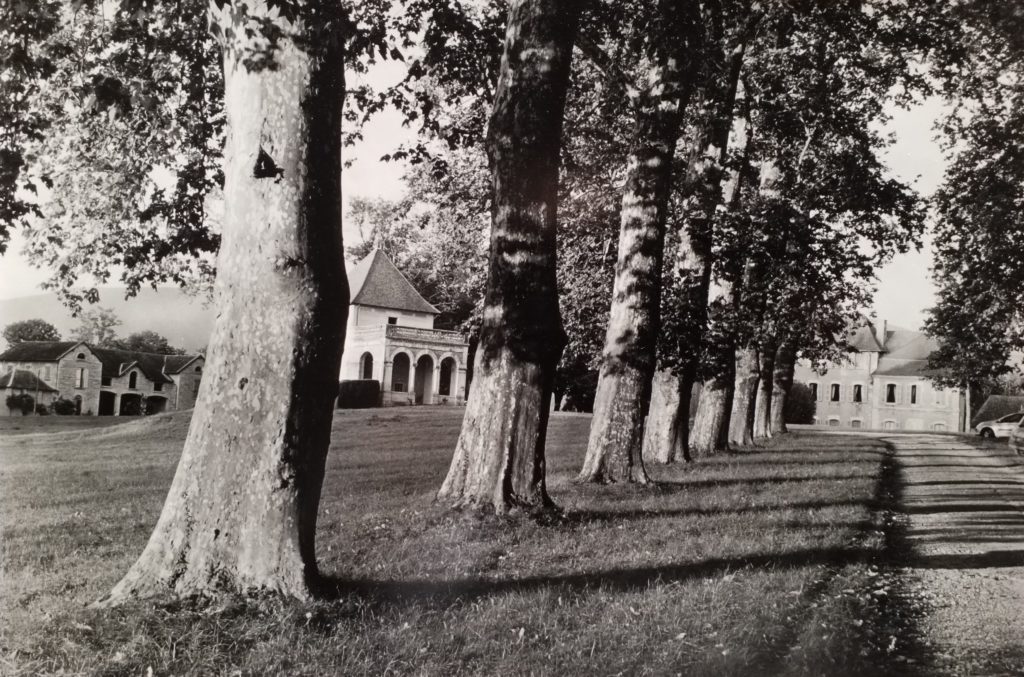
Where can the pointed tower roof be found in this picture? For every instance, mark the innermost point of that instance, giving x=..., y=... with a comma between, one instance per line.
x=376, y=281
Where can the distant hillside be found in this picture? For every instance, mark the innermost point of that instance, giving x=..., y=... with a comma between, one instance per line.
x=183, y=319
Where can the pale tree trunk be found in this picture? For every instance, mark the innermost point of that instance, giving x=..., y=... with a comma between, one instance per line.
x=702, y=189
x=744, y=397
x=499, y=458
x=662, y=427
x=782, y=380
x=614, y=450
x=241, y=512
x=763, y=404
x=711, y=422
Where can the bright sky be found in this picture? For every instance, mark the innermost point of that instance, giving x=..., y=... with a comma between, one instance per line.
x=904, y=290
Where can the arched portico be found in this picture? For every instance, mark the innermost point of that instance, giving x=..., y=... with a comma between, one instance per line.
x=424, y=383
x=400, y=367
x=448, y=377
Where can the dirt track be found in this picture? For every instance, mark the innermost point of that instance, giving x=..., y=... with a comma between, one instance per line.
x=963, y=534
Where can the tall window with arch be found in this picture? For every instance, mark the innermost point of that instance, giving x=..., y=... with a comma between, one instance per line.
x=366, y=366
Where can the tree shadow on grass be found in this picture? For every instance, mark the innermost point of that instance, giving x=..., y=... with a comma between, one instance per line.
x=619, y=580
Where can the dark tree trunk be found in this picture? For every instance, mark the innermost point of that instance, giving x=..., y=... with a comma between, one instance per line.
x=614, y=451
x=763, y=405
x=743, y=398
x=782, y=380
x=241, y=512
x=499, y=459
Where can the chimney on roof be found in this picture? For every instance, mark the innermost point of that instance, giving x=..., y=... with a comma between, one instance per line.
x=880, y=332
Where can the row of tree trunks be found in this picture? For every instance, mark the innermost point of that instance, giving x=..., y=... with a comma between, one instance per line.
x=763, y=404
x=614, y=449
x=702, y=189
x=242, y=508
x=744, y=398
x=782, y=380
x=499, y=458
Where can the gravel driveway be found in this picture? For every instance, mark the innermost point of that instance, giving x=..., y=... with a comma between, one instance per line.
x=964, y=532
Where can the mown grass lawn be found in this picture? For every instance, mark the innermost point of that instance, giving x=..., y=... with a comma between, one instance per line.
x=759, y=562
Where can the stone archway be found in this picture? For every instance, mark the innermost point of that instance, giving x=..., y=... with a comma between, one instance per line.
x=131, y=405
x=155, y=405
x=446, y=378
x=424, y=380
x=400, y=373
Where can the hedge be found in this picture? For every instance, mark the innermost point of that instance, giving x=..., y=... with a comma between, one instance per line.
x=358, y=394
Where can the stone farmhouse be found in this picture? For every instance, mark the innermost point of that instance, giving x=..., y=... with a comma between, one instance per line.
x=391, y=338
x=883, y=384
x=102, y=381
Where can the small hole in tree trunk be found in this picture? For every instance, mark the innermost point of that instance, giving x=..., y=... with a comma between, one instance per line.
x=265, y=167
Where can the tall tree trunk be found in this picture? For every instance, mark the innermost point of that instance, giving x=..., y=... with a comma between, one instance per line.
x=763, y=404
x=614, y=451
x=743, y=398
x=662, y=427
x=702, y=194
x=782, y=381
x=241, y=512
x=499, y=459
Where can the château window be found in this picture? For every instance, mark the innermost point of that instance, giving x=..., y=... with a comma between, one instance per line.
x=392, y=320
x=105, y=380
x=814, y=391
x=80, y=356
x=858, y=393
x=81, y=377
x=890, y=393
x=133, y=380
x=158, y=387
x=834, y=394
x=913, y=394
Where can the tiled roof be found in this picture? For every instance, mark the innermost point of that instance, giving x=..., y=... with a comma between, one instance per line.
x=22, y=379
x=37, y=351
x=175, y=363
x=863, y=339
x=375, y=281
x=115, y=362
x=906, y=353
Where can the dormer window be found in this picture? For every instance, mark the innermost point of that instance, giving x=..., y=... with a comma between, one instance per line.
x=133, y=380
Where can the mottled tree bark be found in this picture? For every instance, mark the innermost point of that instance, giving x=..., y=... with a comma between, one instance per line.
x=702, y=189
x=241, y=512
x=662, y=427
x=782, y=380
x=499, y=459
x=743, y=398
x=711, y=423
x=614, y=450
x=763, y=403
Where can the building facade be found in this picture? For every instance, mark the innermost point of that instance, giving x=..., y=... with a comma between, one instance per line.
x=391, y=338
x=883, y=385
x=108, y=382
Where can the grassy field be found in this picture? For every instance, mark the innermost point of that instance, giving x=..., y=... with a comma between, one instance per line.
x=762, y=562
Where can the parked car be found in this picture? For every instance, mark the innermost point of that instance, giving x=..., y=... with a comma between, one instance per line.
x=1000, y=427
x=1017, y=439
